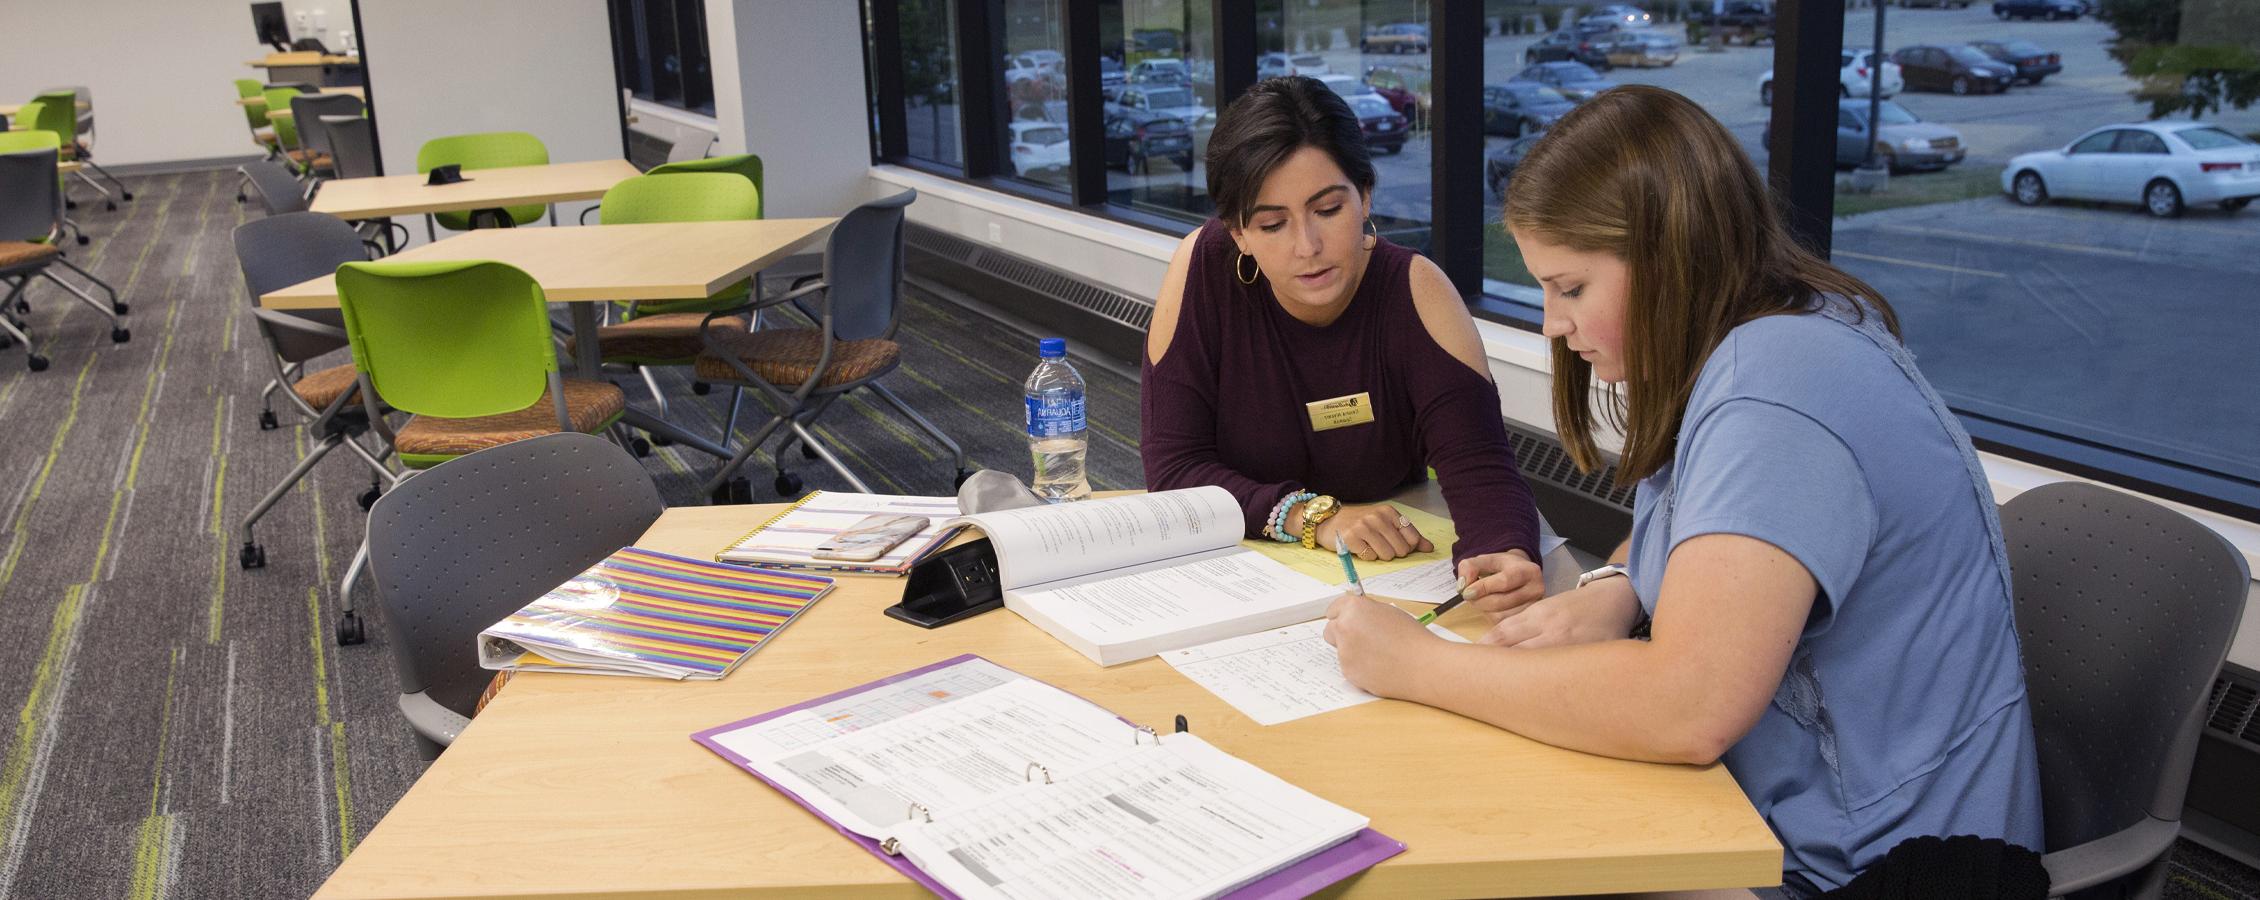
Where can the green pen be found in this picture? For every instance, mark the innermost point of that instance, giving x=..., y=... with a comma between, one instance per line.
x=1444, y=607
x=1349, y=568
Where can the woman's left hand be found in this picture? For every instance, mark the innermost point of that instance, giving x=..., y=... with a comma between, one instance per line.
x=1375, y=642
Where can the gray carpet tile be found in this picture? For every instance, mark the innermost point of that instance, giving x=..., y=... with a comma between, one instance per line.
x=185, y=728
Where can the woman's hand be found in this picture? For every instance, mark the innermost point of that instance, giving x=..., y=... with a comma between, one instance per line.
x=1376, y=643
x=1374, y=531
x=1499, y=584
x=1602, y=611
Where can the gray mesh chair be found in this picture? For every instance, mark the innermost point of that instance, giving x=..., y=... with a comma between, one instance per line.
x=475, y=538
x=353, y=153
x=306, y=112
x=31, y=221
x=802, y=371
x=275, y=253
x=279, y=191
x=2125, y=610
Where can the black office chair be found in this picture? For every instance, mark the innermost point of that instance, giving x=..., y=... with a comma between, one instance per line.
x=2125, y=610
x=476, y=538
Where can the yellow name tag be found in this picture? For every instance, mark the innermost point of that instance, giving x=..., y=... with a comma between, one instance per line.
x=1340, y=412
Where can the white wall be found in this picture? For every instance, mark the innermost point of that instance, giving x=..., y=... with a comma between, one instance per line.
x=799, y=99
x=438, y=68
x=161, y=71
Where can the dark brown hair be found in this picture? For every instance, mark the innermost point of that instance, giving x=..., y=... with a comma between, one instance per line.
x=1647, y=176
x=1275, y=118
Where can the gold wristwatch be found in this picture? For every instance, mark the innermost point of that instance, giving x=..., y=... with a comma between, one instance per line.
x=1321, y=508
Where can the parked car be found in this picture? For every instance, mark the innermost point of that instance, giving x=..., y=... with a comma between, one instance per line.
x=1385, y=130
x=1135, y=139
x=1958, y=68
x=1399, y=37
x=2163, y=166
x=1162, y=71
x=2038, y=9
x=1522, y=107
x=1619, y=15
x=1905, y=143
x=1853, y=77
x=2032, y=62
x=1274, y=65
x=1156, y=41
x=1574, y=80
x=1034, y=64
x=1640, y=48
x=1162, y=99
x=1499, y=164
x=1941, y=4
x=1038, y=147
x=1740, y=21
x=1406, y=93
x=1581, y=45
x=1110, y=73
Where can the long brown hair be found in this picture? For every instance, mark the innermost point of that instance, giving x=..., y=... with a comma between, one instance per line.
x=1646, y=175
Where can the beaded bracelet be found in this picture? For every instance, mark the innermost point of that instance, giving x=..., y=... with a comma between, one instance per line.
x=1277, y=529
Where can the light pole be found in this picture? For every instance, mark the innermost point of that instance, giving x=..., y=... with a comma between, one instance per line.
x=1875, y=89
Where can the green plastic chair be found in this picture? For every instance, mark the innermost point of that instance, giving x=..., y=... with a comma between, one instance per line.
x=745, y=164
x=485, y=150
x=464, y=346
x=247, y=89
x=286, y=130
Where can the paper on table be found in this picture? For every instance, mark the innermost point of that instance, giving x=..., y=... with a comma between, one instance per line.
x=1133, y=613
x=1325, y=567
x=1429, y=582
x=1279, y=675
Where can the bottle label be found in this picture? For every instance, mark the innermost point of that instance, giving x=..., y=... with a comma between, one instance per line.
x=1055, y=413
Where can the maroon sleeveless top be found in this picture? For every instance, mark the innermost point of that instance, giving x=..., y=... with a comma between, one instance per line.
x=1225, y=406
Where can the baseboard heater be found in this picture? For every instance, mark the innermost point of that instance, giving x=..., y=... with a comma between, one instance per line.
x=1097, y=320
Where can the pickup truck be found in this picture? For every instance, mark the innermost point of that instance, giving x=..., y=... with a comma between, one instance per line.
x=1738, y=21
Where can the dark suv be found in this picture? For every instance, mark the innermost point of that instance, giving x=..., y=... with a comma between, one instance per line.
x=1134, y=139
x=2032, y=62
x=1579, y=44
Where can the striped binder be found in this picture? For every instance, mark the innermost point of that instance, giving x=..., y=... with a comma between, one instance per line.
x=641, y=612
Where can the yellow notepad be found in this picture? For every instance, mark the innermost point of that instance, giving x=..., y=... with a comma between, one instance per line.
x=1325, y=566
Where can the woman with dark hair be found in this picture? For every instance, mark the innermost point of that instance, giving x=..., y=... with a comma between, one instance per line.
x=1313, y=368
x=1815, y=553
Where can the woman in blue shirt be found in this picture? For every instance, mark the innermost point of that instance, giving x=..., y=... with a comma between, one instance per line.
x=1812, y=535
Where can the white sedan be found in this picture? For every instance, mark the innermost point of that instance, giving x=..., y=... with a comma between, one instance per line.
x=1037, y=147
x=2163, y=166
x=1852, y=76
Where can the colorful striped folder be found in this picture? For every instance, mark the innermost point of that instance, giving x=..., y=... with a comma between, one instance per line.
x=641, y=612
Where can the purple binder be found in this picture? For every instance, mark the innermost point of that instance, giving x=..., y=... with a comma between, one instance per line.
x=1361, y=852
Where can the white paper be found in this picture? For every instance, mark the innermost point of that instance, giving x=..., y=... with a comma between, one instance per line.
x=1429, y=582
x=1279, y=675
x=1178, y=820
x=1040, y=544
x=1134, y=613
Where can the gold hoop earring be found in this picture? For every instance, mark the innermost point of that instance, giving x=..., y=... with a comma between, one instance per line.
x=1374, y=230
x=1249, y=278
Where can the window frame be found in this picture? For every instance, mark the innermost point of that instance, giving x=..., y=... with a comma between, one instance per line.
x=644, y=67
x=1800, y=169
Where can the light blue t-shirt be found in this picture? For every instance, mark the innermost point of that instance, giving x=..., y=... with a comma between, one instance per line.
x=1903, y=711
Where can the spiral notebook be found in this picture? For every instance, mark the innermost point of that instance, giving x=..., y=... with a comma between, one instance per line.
x=788, y=540
x=932, y=771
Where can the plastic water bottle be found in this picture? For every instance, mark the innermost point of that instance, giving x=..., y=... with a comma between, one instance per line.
x=1055, y=425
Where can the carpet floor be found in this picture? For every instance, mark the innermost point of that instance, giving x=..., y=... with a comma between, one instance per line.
x=186, y=728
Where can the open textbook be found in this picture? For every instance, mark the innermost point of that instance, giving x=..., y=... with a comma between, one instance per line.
x=1127, y=577
x=979, y=782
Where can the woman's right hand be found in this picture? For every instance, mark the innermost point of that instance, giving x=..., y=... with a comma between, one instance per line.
x=1375, y=531
x=1602, y=611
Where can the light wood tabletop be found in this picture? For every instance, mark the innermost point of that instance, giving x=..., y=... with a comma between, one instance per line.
x=302, y=58
x=658, y=261
x=10, y=109
x=588, y=786
x=348, y=90
x=401, y=195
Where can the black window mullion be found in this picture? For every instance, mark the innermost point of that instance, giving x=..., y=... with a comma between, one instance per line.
x=886, y=73
x=1086, y=131
x=1234, y=26
x=1802, y=160
x=1456, y=141
x=980, y=45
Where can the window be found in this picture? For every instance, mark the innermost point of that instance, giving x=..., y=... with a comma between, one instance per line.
x=1033, y=76
x=1158, y=84
x=1360, y=47
x=659, y=51
x=928, y=35
x=2075, y=290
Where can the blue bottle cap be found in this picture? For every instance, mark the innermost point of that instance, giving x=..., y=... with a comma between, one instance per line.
x=1051, y=348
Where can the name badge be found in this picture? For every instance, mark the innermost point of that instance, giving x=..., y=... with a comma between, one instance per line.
x=1340, y=412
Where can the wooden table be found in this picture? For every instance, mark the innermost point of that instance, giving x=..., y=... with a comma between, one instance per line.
x=347, y=90
x=400, y=195
x=590, y=786
x=10, y=109
x=307, y=65
x=586, y=265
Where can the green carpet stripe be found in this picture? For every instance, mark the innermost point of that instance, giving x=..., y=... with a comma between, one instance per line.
x=220, y=556
x=46, y=470
x=847, y=449
x=54, y=661
x=1014, y=427
x=885, y=419
x=150, y=849
x=341, y=776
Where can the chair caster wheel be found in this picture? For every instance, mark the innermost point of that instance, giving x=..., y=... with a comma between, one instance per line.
x=788, y=484
x=239, y=198
x=807, y=451
x=83, y=240
x=701, y=388
x=661, y=440
x=733, y=491
x=253, y=556
x=126, y=195
x=37, y=363
x=120, y=308
x=640, y=447
x=70, y=204
x=962, y=474
x=369, y=497
x=120, y=335
x=23, y=306
x=349, y=630
x=110, y=206
x=267, y=420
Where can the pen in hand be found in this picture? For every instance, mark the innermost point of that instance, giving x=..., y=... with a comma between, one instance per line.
x=1446, y=606
x=1349, y=568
